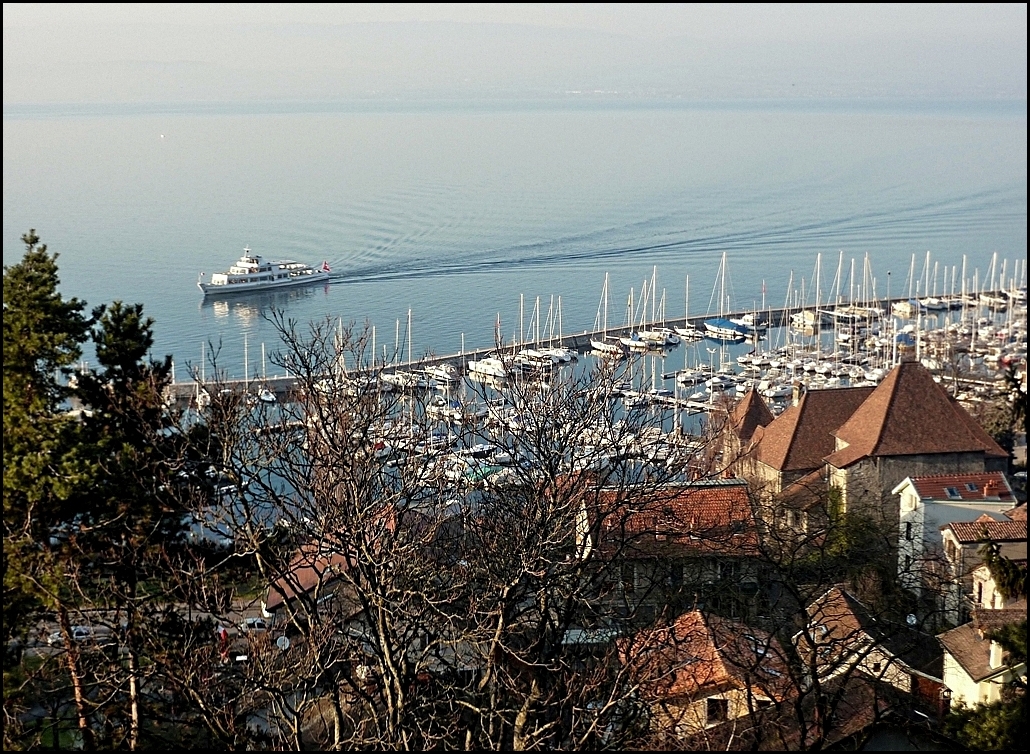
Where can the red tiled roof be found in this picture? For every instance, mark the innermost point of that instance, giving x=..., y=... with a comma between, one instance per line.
x=909, y=414
x=701, y=517
x=971, y=647
x=750, y=413
x=311, y=567
x=839, y=622
x=988, y=485
x=970, y=532
x=971, y=650
x=700, y=655
x=1018, y=513
x=992, y=620
x=806, y=492
x=800, y=437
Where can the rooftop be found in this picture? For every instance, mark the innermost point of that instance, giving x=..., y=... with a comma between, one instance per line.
x=800, y=437
x=987, y=485
x=909, y=414
x=986, y=528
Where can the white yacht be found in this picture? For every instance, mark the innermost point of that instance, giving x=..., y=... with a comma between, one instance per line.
x=252, y=273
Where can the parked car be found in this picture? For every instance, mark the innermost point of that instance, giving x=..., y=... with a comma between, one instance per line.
x=80, y=635
x=253, y=625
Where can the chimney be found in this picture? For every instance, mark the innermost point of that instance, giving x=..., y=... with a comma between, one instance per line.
x=996, y=655
x=799, y=390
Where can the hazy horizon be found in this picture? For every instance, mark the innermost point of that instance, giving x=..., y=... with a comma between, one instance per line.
x=163, y=53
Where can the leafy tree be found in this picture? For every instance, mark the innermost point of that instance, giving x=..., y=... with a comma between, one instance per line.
x=43, y=334
x=1009, y=576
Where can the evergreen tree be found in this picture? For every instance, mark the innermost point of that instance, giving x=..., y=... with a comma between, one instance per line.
x=43, y=333
x=45, y=475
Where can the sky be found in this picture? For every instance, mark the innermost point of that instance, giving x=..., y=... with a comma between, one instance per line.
x=84, y=53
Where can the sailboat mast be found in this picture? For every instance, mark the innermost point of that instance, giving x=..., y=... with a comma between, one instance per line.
x=722, y=286
x=654, y=285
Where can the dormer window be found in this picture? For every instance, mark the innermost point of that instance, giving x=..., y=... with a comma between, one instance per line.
x=953, y=493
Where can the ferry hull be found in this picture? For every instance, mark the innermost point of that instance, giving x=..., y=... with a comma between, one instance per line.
x=231, y=289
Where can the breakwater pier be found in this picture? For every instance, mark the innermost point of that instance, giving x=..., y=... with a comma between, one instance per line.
x=830, y=317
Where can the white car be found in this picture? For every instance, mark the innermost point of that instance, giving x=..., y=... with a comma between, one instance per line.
x=253, y=625
x=80, y=634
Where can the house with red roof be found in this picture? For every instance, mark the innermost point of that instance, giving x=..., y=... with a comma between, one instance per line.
x=908, y=426
x=673, y=547
x=925, y=504
x=976, y=668
x=864, y=441
x=962, y=541
x=844, y=636
x=704, y=670
x=796, y=442
x=740, y=424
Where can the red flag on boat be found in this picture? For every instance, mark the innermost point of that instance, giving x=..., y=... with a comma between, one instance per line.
x=325, y=266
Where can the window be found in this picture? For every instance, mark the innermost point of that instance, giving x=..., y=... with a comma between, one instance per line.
x=628, y=578
x=674, y=578
x=876, y=667
x=953, y=493
x=727, y=570
x=717, y=709
x=971, y=487
x=908, y=531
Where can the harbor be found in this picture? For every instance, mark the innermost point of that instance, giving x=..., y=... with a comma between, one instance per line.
x=823, y=347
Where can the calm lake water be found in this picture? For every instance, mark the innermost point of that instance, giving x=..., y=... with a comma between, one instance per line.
x=456, y=211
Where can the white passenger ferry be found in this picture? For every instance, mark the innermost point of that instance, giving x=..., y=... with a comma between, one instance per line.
x=252, y=273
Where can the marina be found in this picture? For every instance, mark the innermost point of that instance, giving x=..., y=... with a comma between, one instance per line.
x=847, y=345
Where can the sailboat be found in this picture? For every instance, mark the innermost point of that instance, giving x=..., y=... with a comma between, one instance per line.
x=556, y=349
x=656, y=336
x=688, y=331
x=634, y=341
x=910, y=308
x=604, y=344
x=720, y=327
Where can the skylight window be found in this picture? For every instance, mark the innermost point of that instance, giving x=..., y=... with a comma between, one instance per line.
x=971, y=487
x=953, y=493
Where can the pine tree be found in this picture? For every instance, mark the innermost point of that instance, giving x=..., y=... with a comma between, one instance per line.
x=43, y=333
